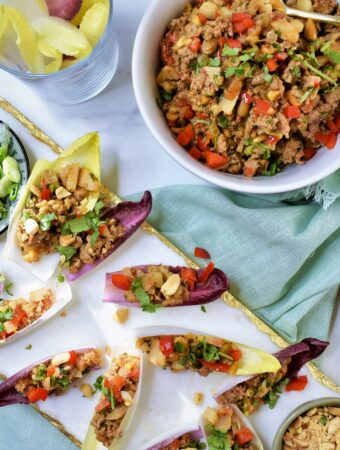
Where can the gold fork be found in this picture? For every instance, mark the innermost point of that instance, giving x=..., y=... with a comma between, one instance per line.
x=310, y=15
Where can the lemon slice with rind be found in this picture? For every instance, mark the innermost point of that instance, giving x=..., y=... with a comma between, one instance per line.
x=26, y=38
x=63, y=36
x=94, y=22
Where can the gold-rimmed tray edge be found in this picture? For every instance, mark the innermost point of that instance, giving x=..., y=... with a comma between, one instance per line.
x=38, y=134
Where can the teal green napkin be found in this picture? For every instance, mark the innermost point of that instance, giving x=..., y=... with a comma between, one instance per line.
x=281, y=253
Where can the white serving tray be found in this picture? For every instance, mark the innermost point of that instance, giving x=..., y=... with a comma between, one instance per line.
x=167, y=399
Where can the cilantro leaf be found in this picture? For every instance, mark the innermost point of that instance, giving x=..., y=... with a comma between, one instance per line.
x=228, y=51
x=60, y=278
x=143, y=297
x=333, y=55
x=98, y=383
x=46, y=220
x=222, y=121
x=323, y=420
x=79, y=225
x=179, y=347
x=267, y=77
x=68, y=252
x=7, y=315
x=215, y=62
x=203, y=309
x=8, y=288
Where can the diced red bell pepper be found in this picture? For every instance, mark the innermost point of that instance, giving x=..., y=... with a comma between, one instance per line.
x=201, y=253
x=189, y=276
x=272, y=65
x=297, y=384
x=246, y=98
x=234, y=43
x=215, y=366
x=243, y=436
x=195, y=153
x=214, y=160
x=203, y=19
x=195, y=45
x=187, y=112
x=134, y=374
x=272, y=140
x=166, y=344
x=204, y=275
x=332, y=126
x=242, y=22
x=203, y=142
x=121, y=281
x=103, y=404
x=50, y=370
x=45, y=194
x=103, y=230
x=281, y=56
x=328, y=139
x=236, y=354
x=309, y=153
x=291, y=112
x=262, y=107
x=166, y=48
x=73, y=358
x=19, y=316
x=186, y=136
x=35, y=394
x=116, y=384
x=250, y=170
x=3, y=335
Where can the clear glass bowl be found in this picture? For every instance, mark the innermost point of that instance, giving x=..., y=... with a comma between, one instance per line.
x=82, y=81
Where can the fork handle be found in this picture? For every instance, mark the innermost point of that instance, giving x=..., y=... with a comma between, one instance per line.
x=313, y=15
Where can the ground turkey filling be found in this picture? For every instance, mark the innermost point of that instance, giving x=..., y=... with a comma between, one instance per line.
x=246, y=89
x=18, y=314
x=225, y=430
x=256, y=391
x=162, y=286
x=118, y=388
x=56, y=375
x=63, y=213
x=184, y=442
x=202, y=354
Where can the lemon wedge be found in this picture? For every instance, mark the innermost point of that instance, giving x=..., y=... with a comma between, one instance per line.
x=51, y=53
x=26, y=37
x=94, y=22
x=63, y=36
x=86, y=5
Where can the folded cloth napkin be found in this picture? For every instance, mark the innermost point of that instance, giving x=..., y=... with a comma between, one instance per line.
x=281, y=252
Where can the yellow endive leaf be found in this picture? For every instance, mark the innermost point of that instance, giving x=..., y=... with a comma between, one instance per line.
x=52, y=53
x=26, y=38
x=94, y=23
x=63, y=36
x=86, y=5
x=66, y=63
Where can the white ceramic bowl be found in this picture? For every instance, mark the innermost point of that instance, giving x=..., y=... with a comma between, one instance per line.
x=144, y=67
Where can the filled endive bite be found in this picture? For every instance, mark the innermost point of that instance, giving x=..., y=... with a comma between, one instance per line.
x=225, y=427
x=251, y=393
x=187, y=350
x=120, y=388
x=53, y=375
x=66, y=216
x=152, y=286
x=187, y=437
x=19, y=315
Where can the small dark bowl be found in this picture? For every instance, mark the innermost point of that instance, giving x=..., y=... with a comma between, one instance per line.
x=302, y=409
x=18, y=152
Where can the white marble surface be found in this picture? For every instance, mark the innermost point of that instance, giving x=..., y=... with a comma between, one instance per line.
x=129, y=152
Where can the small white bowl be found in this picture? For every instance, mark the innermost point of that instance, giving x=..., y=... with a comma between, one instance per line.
x=145, y=62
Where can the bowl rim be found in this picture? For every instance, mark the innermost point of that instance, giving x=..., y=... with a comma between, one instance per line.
x=237, y=183
x=299, y=410
x=27, y=164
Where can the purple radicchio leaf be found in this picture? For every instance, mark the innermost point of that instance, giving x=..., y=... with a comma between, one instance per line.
x=300, y=354
x=8, y=393
x=216, y=284
x=195, y=435
x=64, y=9
x=130, y=215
